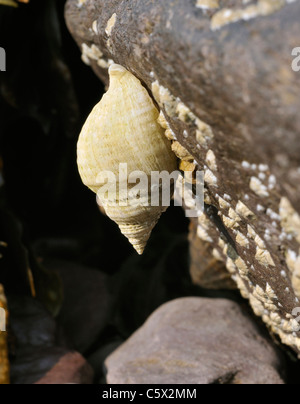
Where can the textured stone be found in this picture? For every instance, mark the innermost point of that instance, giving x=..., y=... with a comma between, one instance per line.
x=196, y=340
x=223, y=78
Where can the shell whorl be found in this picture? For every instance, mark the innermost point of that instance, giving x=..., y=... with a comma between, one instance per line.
x=123, y=128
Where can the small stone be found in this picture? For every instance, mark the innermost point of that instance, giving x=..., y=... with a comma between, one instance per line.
x=196, y=341
x=72, y=368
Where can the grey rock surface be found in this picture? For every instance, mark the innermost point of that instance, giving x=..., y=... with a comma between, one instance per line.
x=196, y=340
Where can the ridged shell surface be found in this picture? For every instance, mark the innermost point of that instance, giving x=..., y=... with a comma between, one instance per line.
x=123, y=128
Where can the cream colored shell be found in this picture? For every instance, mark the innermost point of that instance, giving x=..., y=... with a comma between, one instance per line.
x=123, y=128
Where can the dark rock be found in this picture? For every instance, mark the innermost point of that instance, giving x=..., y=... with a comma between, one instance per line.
x=72, y=368
x=86, y=308
x=37, y=355
x=32, y=363
x=196, y=340
x=33, y=331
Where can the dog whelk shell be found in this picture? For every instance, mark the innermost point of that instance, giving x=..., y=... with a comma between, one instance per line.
x=123, y=128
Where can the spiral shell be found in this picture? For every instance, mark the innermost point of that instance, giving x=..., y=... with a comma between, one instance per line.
x=123, y=128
